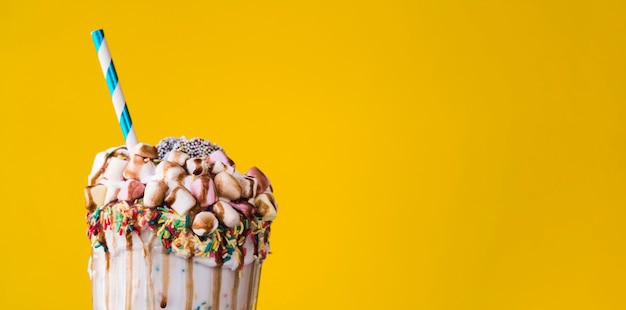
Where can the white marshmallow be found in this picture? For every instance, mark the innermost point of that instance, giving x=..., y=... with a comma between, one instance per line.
x=113, y=188
x=226, y=214
x=154, y=193
x=187, y=180
x=99, y=162
x=204, y=223
x=145, y=150
x=180, y=200
x=197, y=166
x=248, y=186
x=177, y=157
x=114, y=169
x=141, y=166
x=218, y=167
x=227, y=186
x=265, y=206
x=171, y=173
x=146, y=172
x=94, y=196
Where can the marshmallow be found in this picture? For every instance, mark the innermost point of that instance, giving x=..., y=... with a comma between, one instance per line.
x=197, y=166
x=219, y=166
x=265, y=206
x=170, y=172
x=94, y=196
x=113, y=188
x=187, y=180
x=154, y=193
x=204, y=223
x=178, y=157
x=226, y=214
x=115, y=168
x=131, y=189
x=141, y=166
x=220, y=156
x=248, y=186
x=227, y=186
x=263, y=183
x=204, y=190
x=180, y=200
x=145, y=150
x=101, y=160
x=244, y=207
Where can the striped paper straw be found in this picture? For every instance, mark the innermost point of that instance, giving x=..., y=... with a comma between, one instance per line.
x=119, y=103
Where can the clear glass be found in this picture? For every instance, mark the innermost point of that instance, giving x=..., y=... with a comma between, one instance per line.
x=136, y=274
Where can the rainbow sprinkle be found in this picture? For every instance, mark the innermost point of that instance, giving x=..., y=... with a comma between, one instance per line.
x=175, y=233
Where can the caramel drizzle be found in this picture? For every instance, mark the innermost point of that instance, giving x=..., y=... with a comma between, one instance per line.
x=150, y=285
x=251, y=284
x=189, y=297
x=166, y=276
x=129, y=270
x=217, y=287
x=257, y=284
x=97, y=175
x=107, y=281
x=233, y=303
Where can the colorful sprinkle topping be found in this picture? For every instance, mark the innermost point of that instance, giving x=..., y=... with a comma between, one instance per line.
x=175, y=233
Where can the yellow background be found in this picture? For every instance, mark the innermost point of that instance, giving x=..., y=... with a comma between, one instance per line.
x=425, y=154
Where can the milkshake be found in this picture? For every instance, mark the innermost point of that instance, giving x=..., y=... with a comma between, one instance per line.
x=176, y=226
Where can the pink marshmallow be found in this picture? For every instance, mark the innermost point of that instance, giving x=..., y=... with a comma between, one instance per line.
x=221, y=157
x=244, y=207
x=203, y=189
x=262, y=182
x=131, y=189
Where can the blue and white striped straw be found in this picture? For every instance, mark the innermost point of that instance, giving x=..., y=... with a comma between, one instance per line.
x=119, y=103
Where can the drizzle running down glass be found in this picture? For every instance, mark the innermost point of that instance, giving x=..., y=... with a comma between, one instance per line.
x=176, y=227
